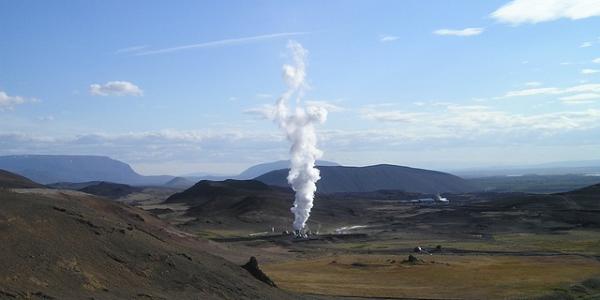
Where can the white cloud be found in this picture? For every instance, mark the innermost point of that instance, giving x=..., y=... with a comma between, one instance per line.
x=536, y=11
x=582, y=88
x=532, y=92
x=589, y=71
x=596, y=61
x=460, y=32
x=388, y=38
x=391, y=115
x=225, y=42
x=580, y=98
x=533, y=83
x=209, y=146
x=266, y=111
x=449, y=127
x=115, y=88
x=471, y=121
x=585, y=45
x=9, y=102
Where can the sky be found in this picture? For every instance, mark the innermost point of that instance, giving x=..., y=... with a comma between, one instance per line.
x=176, y=87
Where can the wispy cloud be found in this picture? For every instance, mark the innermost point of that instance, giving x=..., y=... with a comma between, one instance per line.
x=328, y=105
x=578, y=89
x=131, y=49
x=48, y=118
x=535, y=11
x=585, y=45
x=589, y=71
x=266, y=111
x=532, y=92
x=115, y=88
x=533, y=83
x=391, y=115
x=460, y=32
x=225, y=42
x=580, y=98
x=264, y=96
x=388, y=38
x=596, y=61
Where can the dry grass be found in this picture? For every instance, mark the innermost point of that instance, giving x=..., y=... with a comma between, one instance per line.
x=466, y=277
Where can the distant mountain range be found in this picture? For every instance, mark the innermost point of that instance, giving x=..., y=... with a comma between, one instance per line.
x=553, y=168
x=64, y=170
x=261, y=169
x=336, y=179
x=47, y=169
x=253, y=171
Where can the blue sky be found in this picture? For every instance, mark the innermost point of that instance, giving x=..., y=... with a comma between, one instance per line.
x=179, y=87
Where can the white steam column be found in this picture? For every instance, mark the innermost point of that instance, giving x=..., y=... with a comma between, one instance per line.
x=298, y=124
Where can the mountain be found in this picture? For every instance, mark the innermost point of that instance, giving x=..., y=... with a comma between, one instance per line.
x=218, y=194
x=251, y=172
x=252, y=205
x=336, y=179
x=247, y=201
x=76, y=168
x=13, y=181
x=78, y=246
x=110, y=190
x=261, y=169
x=589, y=190
x=586, y=198
x=180, y=182
x=545, y=184
x=72, y=185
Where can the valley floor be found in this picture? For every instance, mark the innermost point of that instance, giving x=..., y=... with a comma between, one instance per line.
x=483, y=253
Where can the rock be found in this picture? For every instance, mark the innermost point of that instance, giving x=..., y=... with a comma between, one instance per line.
x=413, y=260
x=252, y=267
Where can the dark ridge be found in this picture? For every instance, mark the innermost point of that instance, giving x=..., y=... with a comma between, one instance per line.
x=209, y=190
x=592, y=189
x=337, y=179
x=14, y=181
x=110, y=190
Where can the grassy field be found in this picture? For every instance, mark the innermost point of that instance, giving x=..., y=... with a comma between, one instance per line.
x=585, y=242
x=443, y=276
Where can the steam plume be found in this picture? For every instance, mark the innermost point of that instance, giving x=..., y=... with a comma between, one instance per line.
x=298, y=123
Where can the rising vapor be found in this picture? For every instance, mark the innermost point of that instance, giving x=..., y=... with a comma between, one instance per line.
x=298, y=124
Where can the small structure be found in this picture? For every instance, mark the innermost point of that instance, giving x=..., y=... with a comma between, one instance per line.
x=301, y=234
x=419, y=249
x=441, y=199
